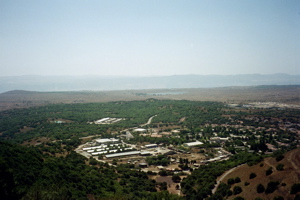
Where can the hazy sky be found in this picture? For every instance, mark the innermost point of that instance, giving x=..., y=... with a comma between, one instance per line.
x=149, y=37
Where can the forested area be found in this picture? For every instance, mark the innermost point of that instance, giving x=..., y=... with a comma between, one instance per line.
x=48, y=168
x=26, y=173
x=40, y=173
x=78, y=115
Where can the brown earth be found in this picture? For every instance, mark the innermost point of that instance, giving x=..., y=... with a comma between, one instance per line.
x=171, y=185
x=290, y=175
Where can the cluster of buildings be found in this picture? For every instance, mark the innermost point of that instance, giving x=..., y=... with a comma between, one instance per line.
x=111, y=148
x=107, y=120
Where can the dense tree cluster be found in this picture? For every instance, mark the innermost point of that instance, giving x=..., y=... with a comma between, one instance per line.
x=26, y=173
x=158, y=160
x=40, y=119
x=52, y=170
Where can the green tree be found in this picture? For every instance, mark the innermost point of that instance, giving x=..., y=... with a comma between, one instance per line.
x=272, y=186
x=237, y=190
x=237, y=180
x=163, y=173
x=93, y=161
x=279, y=167
x=176, y=178
x=230, y=181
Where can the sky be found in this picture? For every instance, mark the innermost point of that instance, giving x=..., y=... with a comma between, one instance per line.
x=149, y=37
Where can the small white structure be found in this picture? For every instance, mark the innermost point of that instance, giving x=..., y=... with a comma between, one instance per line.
x=108, y=120
x=218, y=139
x=151, y=145
x=141, y=130
x=100, y=121
x=107, y=140
x=192, y=144
x=130, y=153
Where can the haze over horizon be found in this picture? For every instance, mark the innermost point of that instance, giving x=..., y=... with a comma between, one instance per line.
x=149, y=38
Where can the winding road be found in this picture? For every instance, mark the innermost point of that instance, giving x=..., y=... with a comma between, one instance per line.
x=149, y=121
x=223, y=176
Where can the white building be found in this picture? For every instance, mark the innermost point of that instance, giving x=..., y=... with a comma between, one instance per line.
x=107, y=141
x=141, y=130
x=192, y=144
x=151, y=145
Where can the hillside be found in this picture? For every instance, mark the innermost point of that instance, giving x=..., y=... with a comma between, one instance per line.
x=286, y=178
x=100, y=83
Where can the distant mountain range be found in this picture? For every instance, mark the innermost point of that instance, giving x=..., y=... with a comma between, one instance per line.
x=77, y=83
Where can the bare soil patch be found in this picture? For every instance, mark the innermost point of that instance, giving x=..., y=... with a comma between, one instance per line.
x=36, y=141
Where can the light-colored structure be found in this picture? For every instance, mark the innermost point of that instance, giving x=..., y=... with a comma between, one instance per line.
x=107, y=141
x=141, y=130
x=129, y=153
x=192, y=144
x=218, y=139
x=151, y=145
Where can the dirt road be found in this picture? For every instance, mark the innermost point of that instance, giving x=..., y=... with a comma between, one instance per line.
x=223, y=176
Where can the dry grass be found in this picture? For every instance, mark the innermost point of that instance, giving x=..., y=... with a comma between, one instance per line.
x=290, y=175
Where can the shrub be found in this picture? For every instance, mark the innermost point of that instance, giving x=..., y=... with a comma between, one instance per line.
x=237, y=180
x=260, y=188
x=279, y=157
x=269, y=171
x=295, y=188
x=252, y=175
x=230, y=181
x=163, y=173
x=272, y=186
x=261, y=164
x=246, y=183
x=229, y=193
x=176, y=178
x=237, y=190
x=93, y=161
x=151, y=173
x=279, y=167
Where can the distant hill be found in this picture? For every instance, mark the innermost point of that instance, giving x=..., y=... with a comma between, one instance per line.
x=100, y=83
x=288, y=94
